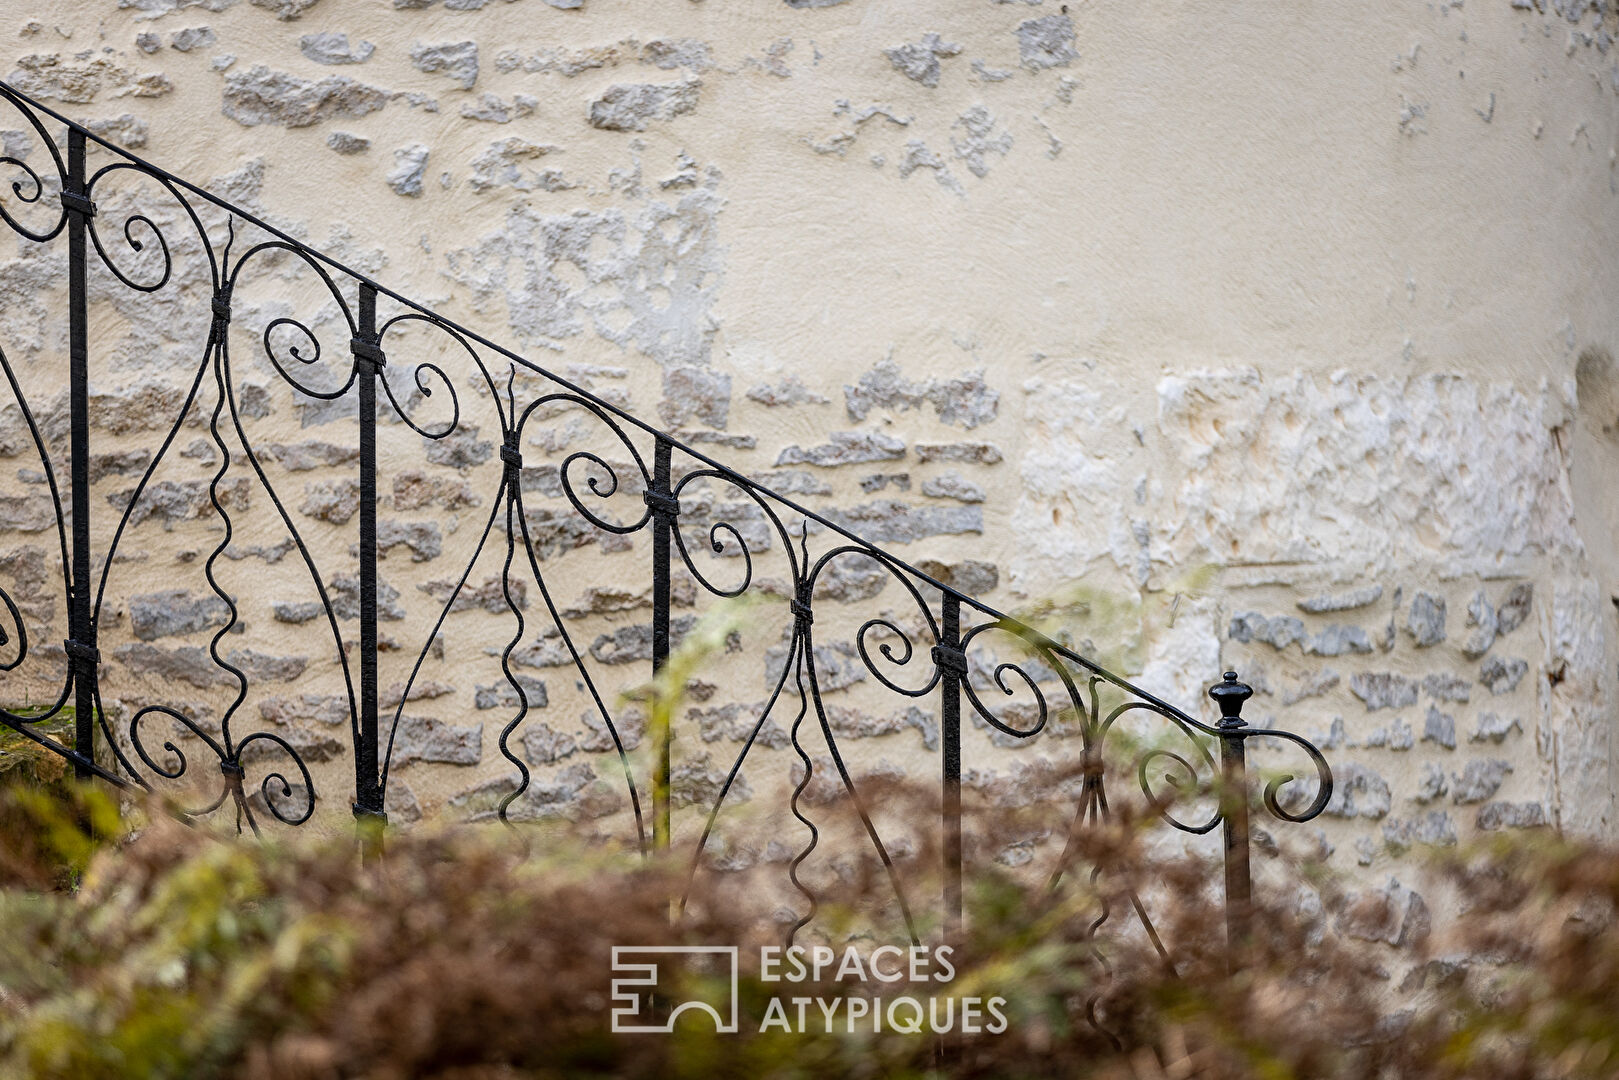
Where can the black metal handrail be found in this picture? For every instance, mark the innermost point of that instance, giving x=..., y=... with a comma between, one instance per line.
x=938, y=638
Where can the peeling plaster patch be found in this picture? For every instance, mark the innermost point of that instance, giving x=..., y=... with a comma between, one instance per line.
x=261, y=96
x=334, y=48
x=966, y=400
x=631, y=106
x=650, y=276
x=1445, y=470
x=979, y=139
x=456, y=60
x=1046, y=42
x=919, y=60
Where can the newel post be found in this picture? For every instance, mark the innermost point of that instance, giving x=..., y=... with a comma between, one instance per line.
x=1230, y=694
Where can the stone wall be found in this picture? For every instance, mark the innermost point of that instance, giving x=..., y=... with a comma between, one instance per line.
x=1284, y=338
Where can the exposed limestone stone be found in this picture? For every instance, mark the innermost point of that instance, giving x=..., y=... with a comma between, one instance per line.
x=410, y=165
x=118, y=464
x=737, y=722
x=814, y=3
x=837, y=667
x=330, y=47
x=26, y=513
x=632, y=106
x=1349, y=601
x=1426, y=620
x=420, y=690
x=175, y=612
x=1482, y=617
x=1433, y=829
x=845, y=448
x=1479, y=780
x=297, y=612
x=881, y=481
x=285, y=10
x=460, y=449
x=1392, y=915
x=331, y=709
x=493, y=109
x=1313, y=685
x=419, y=738
x=790, y=391
x=172, y=501
x=1432, y=784
x=399, y=802
x=335, y=501
x=962, y=400
x=970, y=576
x=261, y=668
x=1279, y=631
x=148, y=43
x=262, y=96
x=344, y=593
x=693, y=781
x=542, y=746
x=490, y=596
x=300, y=457
x=413, y=490
x=1506, y=815
x=1502, y=676
x=1443, y=686
x=422, y=538
x=1359, y=792
x=1494, y=728
x=312, y=746
x=1336, y=640
x=888, y=521
x=189, y=664
x=1440, y=728
x=457, y=60
x=966, y=453
x=1383, y=690
x=1046, y=42
x=852, y=577
x=195, y=37
x=696, y=394
x=345, y=143
x=1515, y=608
x=952, y=486
x=629, y=644
x=77, y=79
x=919, y=60
x=127, y=130
x=502, y=695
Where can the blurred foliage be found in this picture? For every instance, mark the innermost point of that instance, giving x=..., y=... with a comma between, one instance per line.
x=476, y=954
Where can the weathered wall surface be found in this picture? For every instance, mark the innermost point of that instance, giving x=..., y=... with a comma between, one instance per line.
x=1291, y=332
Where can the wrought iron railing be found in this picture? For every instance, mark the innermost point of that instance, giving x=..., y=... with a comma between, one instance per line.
x=939, y=648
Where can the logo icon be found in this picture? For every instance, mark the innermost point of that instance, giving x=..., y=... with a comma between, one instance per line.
x=645, y=966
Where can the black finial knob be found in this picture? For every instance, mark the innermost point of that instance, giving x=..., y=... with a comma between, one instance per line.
x=1229, y=694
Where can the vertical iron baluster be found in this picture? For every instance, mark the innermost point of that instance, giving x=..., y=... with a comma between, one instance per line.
x=952, y=669
x=1230, y=694
x=81, y=643
x=664, y=509
x=369, y=363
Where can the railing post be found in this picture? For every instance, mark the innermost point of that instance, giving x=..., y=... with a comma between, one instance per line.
x=83, y=656
x=660, y=498
x=952, y=664
x=1229, y=694
x=369, y=364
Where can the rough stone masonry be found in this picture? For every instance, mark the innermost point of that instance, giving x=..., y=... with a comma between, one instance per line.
x=1292, y=352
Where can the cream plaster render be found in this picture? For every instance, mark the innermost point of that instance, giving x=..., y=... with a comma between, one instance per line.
x=1319, y=296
